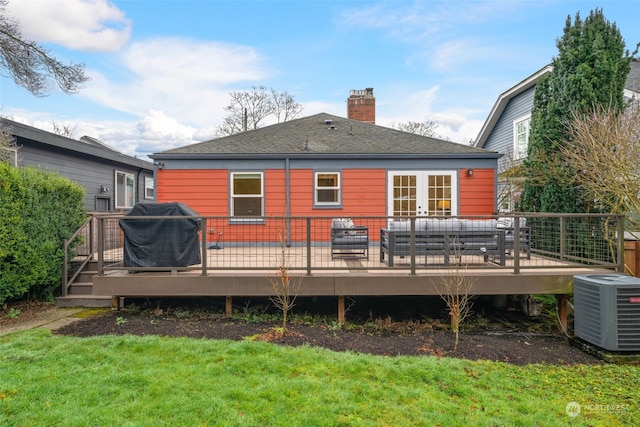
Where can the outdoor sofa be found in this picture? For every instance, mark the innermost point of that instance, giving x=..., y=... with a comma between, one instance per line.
x=448, y=238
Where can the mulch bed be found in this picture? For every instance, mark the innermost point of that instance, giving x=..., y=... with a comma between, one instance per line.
x=510, y=342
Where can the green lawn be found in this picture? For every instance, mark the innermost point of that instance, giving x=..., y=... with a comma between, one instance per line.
x=48, y=380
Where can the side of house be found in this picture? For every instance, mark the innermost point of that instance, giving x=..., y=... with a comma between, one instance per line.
x=506, y=129
x=326, y=166
x=112, y=181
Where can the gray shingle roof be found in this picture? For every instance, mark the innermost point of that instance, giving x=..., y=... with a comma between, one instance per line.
x=324, y=134
x=633, y=78
x=91, y=147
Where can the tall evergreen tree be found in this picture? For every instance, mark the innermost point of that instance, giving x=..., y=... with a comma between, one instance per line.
x=589, y=71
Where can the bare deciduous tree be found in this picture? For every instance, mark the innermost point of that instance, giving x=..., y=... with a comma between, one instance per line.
x=63, y=129
x=285, y=287
x=454, y=287
x=604, y=150
x=284, y=106
x=30, y=65
x=426, y=128
x=248, y=109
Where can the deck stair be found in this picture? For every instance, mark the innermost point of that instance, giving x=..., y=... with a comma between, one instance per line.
x=80, y=292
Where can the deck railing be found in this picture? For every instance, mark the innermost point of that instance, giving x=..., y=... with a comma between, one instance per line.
x=82, y=247
x=78, y=251
x=304, y=244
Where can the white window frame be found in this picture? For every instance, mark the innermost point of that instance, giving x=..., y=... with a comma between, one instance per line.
x=129, y=195
x=233, y=196
x=524, y=119
x=316, y=188
x=149, y=184
x=422, y=192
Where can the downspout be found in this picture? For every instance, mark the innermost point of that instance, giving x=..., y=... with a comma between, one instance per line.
x=138, y=185
x=287, y=189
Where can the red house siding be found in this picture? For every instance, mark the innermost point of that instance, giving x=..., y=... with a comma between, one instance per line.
x=205, y=191
x=364, y=193
x=477, y=192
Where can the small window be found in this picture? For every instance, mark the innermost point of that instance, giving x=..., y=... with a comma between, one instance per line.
x=521, y=128
x=149, y=187
x=125, y=190
x=327, y=189
x=247, y=195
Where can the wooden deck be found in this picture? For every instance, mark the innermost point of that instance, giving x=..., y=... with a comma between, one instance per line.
x=237, y=272
x=247, y=259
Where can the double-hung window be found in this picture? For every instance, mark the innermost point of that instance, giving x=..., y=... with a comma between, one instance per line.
x=327, y=189
x=247, y=194
x=149, y=187
x=125, y=190
x=521, y=129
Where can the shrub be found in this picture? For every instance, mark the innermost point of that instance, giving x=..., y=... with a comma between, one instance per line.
x=38, y=210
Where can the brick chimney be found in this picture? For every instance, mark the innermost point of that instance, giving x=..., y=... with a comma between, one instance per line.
x=361, y=105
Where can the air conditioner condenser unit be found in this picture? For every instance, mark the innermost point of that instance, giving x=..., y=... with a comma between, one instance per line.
x=607, y=310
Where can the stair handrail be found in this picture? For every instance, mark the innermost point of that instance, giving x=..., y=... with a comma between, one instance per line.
x=68, y=281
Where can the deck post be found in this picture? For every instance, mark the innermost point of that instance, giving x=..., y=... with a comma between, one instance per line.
x=203, y=243
x=563, y=235
x=228, y=306
x=562, y=311
x=115, y=302
x=100, y=246
x=341, y=314
x=621, y=268
x=309, y=246
x=412, y=245
x=516, y=245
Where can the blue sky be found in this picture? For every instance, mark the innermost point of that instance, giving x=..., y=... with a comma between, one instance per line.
x=161, y=70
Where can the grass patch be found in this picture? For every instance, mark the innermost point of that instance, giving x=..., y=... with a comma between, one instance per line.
x=90, y=312
x=130, y=380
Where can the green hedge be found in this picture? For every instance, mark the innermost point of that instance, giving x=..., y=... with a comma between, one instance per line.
x=38, y=210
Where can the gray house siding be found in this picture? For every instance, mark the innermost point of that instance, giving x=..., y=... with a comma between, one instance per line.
x=94, y=168
x=501, y=138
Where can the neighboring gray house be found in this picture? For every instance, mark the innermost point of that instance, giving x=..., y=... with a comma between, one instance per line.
x=506, y=130
x=112, y=181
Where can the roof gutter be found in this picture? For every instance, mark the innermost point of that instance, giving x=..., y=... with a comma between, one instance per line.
x=316, y=156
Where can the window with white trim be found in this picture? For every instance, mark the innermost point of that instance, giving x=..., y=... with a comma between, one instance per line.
x=247, y=194
x=125, y=190
x=327, y=189
x=149, y=187
x=521, y=128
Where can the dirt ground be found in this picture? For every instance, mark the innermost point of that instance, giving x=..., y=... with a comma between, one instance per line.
x=389, y=326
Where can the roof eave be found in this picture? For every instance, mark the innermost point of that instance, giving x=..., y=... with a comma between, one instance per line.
x=297, y=156
x=47, y=138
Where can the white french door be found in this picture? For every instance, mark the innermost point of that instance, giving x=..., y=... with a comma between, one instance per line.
x=422, y=193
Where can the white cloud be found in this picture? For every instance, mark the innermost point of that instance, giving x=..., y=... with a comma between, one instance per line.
x=154, y=132
x=417, y=105
x=92, y=25
x=188, y=79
